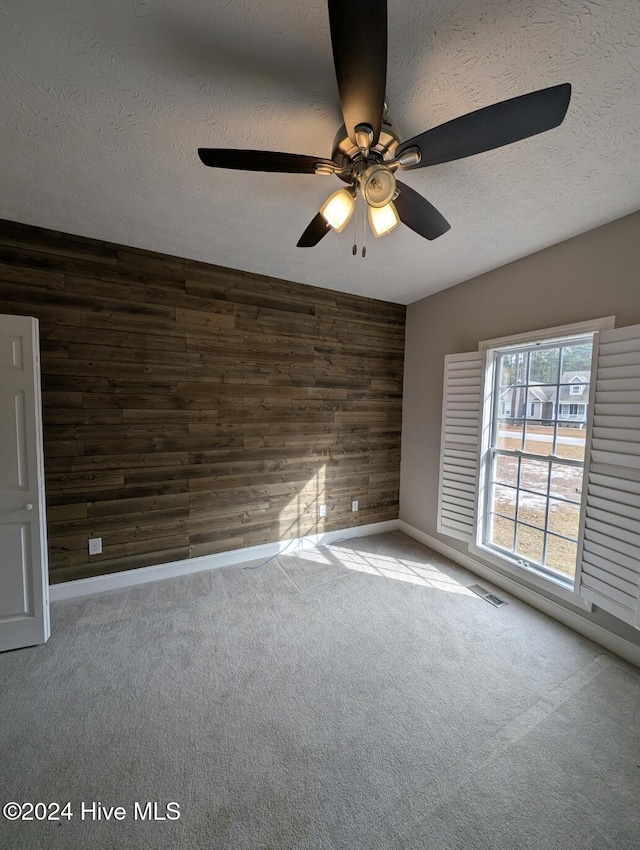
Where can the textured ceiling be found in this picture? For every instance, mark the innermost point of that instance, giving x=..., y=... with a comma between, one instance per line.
x=103, y=105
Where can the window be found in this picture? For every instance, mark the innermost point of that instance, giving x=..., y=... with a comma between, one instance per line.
x=572, y=411
x=505, y=408
x=535, y=468
x=576, y=389
x=511, y=487
x=531, y=409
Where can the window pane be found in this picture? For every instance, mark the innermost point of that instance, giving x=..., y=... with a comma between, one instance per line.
x=512, y=368
x=532, y=508
x=544, y=366
x=530, y=543
x=573, y=400
x=506, y=470
x=566, y=482
x=538, y=439
x=571, y=441
x=534, y=475
x=501, y=532
x=509, y=434
x=561, y=555
x=576, y=358
x=506, y=365
x=564, y=518
x=504, y=500
x=544, y=401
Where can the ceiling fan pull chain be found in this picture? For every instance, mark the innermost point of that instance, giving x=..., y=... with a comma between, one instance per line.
x=364, y=231
x=354, y=250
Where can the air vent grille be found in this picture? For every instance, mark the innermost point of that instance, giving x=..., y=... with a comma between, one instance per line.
x=487, y=595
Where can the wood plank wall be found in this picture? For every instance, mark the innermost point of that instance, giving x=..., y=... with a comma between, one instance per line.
x=192, y=409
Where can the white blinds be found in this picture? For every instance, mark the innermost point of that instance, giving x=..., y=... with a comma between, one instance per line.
x=461, y=406
x=609, y=574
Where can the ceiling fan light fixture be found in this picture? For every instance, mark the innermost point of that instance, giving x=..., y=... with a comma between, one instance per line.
x=378, y=185
x=338, y=209
x=383, y=219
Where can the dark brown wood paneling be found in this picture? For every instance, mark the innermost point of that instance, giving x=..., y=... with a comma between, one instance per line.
x=190, y=409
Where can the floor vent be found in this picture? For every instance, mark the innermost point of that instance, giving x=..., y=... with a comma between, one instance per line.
x=487, y=595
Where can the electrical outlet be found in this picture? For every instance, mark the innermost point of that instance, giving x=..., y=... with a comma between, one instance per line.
x=354, y=505
x=95, y=545
x=322, y=510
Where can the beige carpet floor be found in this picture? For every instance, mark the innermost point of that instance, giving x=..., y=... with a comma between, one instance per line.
x=358, y=697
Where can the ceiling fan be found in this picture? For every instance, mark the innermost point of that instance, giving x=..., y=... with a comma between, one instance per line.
x=367, y=152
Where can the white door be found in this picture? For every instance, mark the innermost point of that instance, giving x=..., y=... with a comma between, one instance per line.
x=24, y=574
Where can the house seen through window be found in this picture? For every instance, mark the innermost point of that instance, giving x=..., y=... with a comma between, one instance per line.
x=536, y=454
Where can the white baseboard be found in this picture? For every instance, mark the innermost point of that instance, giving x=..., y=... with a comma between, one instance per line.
x=128, y=578
x=579, y=623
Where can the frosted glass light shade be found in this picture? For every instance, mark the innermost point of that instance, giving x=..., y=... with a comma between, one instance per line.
x=383, y=219
x=338, y=209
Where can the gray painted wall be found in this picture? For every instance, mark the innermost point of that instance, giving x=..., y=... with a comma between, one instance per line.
x=593, y=275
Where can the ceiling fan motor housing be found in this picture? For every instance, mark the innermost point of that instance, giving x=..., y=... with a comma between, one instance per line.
x=376, y=182
x=346, y=154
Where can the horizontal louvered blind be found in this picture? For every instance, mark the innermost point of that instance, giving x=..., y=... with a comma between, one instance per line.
x=610, y=568
x=461, y=406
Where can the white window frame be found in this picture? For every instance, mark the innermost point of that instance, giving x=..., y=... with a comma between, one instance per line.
x=608, y=568
x=557, y=587
x=576, y=389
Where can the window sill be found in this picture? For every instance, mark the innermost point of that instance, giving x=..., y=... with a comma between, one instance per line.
x=556, y=588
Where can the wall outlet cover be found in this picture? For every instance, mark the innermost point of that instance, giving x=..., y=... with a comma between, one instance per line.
x=95, y=545
x=322, y=510
x=354, y=505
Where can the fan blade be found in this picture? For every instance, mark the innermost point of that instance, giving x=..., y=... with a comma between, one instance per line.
x=292, y=163
x=317, y=229
x=359, y=41
x=418, y=214
x=492, y=127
